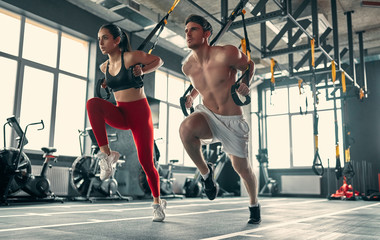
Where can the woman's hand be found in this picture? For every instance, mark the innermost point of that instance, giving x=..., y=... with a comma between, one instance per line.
x=104, y=84
x=137, y=70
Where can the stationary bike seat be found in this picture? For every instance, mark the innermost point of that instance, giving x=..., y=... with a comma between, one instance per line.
x=48, y=150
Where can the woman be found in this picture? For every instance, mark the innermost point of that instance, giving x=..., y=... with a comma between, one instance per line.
x=132, y=110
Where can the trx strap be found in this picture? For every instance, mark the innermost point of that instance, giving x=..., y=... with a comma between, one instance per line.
x=338, y=167
x=238, y=10
x=333, y=71
x=247, y=50
x=138, y=79
x=301, y=92
x=272, y=80
x=317, y=162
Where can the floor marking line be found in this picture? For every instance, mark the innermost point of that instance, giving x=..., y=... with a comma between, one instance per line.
x=230, y=235
x=144, y=208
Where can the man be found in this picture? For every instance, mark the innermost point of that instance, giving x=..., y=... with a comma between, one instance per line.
x=212, y=71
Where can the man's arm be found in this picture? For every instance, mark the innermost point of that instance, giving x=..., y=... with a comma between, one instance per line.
x=239, y=61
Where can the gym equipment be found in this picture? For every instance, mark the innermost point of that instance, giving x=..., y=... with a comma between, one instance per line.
x=270, y=187
x=166, y=177
x=85, y=173
x=344, y=192
x=193, y=186
x=16, y=167
x=236, y=12
x=317, y=166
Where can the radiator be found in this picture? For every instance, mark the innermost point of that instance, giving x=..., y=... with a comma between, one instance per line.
x=58, y=178
x=301, y=184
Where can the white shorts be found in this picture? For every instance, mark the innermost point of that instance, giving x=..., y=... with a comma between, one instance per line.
x=231, y=131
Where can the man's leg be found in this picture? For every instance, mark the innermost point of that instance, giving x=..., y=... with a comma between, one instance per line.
x=243, y=168
x=192, y=130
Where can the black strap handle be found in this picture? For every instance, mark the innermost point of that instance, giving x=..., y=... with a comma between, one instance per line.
x=182, y=101
x=98, y=91
x=317, y=164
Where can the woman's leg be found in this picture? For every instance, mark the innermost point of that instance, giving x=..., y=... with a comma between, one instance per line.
x=101, y=112
x=142, y=130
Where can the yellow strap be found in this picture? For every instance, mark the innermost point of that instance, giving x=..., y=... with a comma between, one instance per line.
x=337, y=153
x=174, y=5
x=316, y=141
x=333, y=71
x=272, y=64
x=361, y=93
x=243, y=45
x=344, y=81
x=312, y=52
x=348, y=157
x=300, y=85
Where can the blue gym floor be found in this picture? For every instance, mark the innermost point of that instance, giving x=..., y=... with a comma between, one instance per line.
x=223, y=218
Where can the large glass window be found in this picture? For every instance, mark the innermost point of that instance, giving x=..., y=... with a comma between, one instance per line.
x=52, y=89
x=70, y=114
x=295, y=148
x=8, y=69
x=161, y=85
x=169, y=89
x=36, y=104
x=302, y=140
x=74, y=55
x=278, y=141
x=40, y=43
x=10, y=38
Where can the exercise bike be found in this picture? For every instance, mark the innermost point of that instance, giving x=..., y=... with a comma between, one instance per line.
x=166, y=177
x=193, y=186
x=16, y=168
x=85, y=172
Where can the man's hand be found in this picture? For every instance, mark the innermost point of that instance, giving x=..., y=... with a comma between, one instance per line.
x=137, y=70
x=243, y=89
x=189, y=101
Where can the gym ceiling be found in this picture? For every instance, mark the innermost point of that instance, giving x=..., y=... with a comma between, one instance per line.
x=140, y=16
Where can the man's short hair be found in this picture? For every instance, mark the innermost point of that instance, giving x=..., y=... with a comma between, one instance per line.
x=199, y=20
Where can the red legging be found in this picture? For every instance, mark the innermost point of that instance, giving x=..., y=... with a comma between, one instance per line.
x=135, y=116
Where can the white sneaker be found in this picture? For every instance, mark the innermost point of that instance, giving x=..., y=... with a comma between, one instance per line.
x=106, y=164
x=159, y=211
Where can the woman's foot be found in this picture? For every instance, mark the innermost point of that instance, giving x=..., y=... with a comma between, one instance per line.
x=106, y=164
x=159, y=211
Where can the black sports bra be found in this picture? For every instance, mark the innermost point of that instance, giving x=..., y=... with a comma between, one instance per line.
x=124, y=79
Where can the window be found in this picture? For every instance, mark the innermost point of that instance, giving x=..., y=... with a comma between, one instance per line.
x=74, y=55
x=291, y=143
x=40, y=43
x=277, y=101
x=169, y=89
x=8, y=70
x=36, y=104
x=70, y=114
x=10, y=24
x=48, y=88
x=302, y=140
x=278, y=141
x=161, y=85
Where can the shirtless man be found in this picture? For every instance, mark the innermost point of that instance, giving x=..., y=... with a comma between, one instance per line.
x=212, y=71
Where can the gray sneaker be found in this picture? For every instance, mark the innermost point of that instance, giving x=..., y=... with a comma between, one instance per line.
x=106, y=164
x=159, y=211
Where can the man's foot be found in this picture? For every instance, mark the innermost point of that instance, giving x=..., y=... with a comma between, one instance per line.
x=159, y=211
x=210, y=186
x=106, y=164
x=254, y=217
